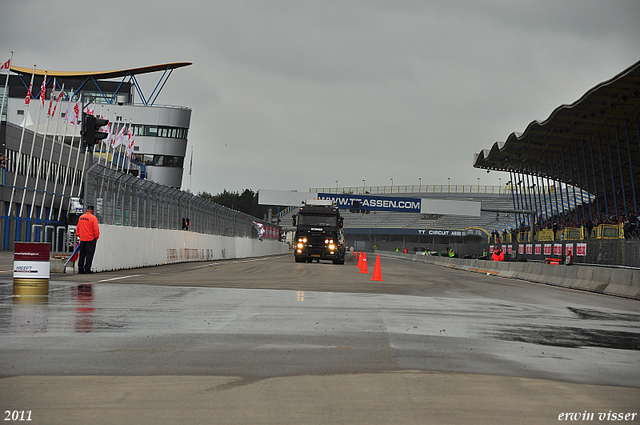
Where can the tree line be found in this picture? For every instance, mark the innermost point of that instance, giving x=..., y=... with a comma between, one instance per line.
x=246, y=202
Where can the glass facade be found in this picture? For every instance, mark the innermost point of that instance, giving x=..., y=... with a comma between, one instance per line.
x=160, y=131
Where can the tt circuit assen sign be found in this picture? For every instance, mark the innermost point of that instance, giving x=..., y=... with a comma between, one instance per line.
x=373, y=203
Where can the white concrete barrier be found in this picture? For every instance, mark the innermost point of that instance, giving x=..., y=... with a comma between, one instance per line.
x=618, y=281
x=121, y=247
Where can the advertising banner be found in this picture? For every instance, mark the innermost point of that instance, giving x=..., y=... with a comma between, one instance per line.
x=373, y=203
x=581, y=249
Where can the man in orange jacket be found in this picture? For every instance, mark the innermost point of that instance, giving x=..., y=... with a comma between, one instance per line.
x=88, y=231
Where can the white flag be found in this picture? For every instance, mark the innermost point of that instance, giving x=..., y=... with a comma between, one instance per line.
x=73, y=113
x=109, y=131
x=117, y=141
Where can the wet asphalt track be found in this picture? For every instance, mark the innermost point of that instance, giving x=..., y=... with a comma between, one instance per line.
x=272, y=318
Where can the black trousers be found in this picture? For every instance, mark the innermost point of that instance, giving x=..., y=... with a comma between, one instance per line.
x=87, y=249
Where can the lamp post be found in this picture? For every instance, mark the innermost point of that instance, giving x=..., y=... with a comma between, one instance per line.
x=478, y=184
x=419, y=184
x=363, y=185
x=392, y=185
x=499, y=185
x=449, y=184
x=336, y=186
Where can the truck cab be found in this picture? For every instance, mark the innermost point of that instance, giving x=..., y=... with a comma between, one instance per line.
x=319, y=234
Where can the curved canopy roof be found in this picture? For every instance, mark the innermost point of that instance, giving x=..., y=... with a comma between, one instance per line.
x=101, y=75
x=592, y=143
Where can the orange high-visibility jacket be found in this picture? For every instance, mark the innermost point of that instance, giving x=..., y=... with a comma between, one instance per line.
x=88, y=229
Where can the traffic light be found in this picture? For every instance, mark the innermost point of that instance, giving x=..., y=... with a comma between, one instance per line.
x=91, y=130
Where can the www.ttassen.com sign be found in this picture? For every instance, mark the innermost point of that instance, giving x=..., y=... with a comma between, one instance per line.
x=373, y=203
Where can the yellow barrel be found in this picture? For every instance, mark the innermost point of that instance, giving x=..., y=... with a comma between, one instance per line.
x=31, y=269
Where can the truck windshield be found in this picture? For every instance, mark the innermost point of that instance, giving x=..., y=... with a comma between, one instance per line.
x=317, y=220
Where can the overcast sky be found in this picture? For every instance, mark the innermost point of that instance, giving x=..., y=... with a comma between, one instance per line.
x=292, y=95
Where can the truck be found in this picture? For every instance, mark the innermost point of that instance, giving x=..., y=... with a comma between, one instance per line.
x=319, y=234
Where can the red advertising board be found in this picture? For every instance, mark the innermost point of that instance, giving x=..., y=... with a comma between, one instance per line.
x=32, y=251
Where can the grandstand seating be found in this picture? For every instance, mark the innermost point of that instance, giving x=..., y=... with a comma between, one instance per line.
x=489, y=221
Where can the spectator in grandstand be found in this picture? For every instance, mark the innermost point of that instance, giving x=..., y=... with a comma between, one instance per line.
x=588, y=225
x=555, y=230
x=633, y=220
x=88, y=231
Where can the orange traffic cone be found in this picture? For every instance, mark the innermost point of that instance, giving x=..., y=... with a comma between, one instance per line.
x=363, y=267
x=359, y=256
x=377, y=272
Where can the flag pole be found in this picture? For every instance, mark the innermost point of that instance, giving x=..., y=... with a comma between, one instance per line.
x=64, y=184
x=19, y=155
x=73, y=136
x=73, y=181
x=53, y=144
x=43, y=90
x=44, y=139
x=4, y=93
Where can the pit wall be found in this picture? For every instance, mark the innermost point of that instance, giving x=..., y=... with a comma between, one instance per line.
x=121, y=247
x=618, y=281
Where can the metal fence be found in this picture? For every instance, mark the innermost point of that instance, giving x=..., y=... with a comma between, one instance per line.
x=124, y=200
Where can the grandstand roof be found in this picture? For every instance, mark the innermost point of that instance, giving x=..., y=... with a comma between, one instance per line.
x=601, y=124
x=120, y=73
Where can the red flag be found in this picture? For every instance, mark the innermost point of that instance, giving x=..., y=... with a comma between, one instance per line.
x=6, y=65
x=51, y=96
x=53, y=113
x=130, y=138
x=43, y=90
x=27, y=99
x=76, y=114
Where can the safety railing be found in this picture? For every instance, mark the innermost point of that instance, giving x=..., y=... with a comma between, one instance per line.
x=414, y=189
x=571, y=234
x=124, y=200
x=609, y=231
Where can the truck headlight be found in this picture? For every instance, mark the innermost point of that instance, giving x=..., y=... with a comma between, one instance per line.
x=332, y=247
x=303, y=240
x=300, y=246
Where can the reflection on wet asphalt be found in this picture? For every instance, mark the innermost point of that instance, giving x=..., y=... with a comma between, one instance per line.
x=111, y=328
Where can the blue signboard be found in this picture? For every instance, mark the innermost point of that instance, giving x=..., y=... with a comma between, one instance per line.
x=373, y=203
